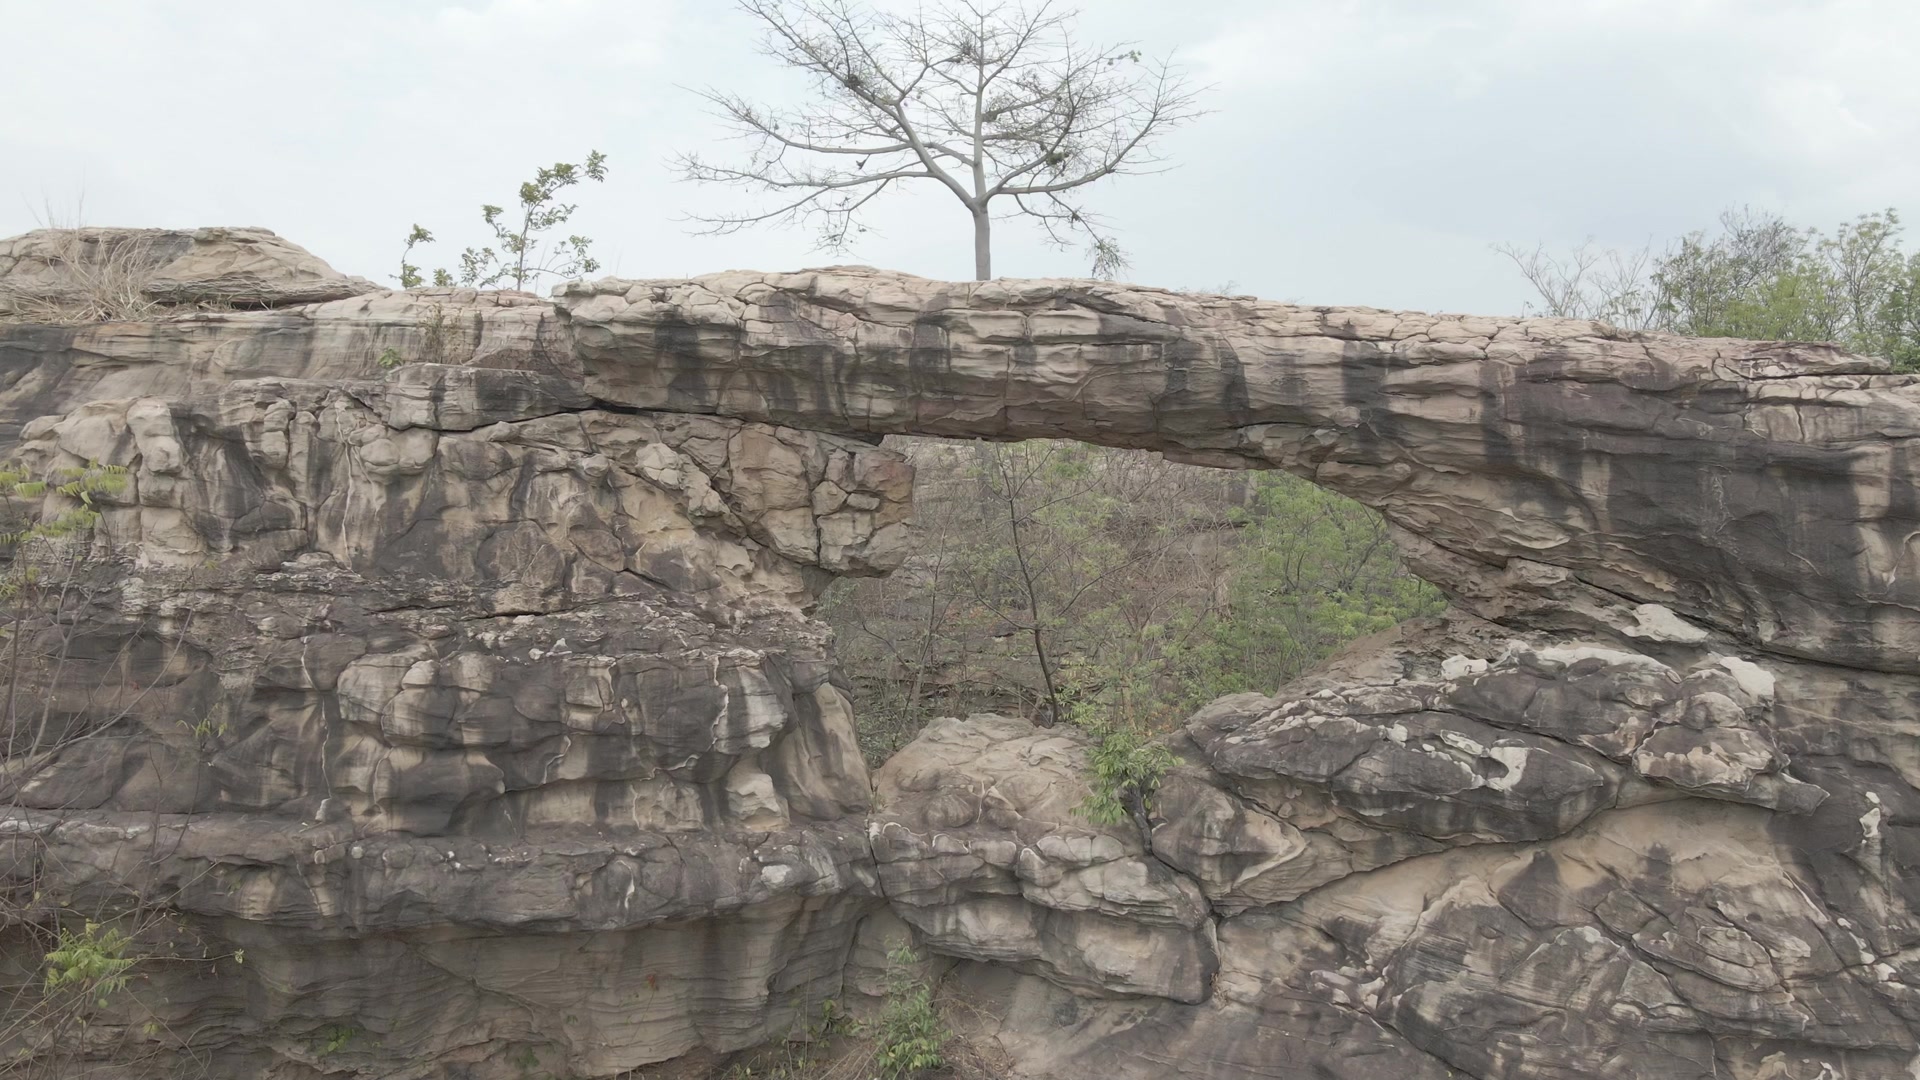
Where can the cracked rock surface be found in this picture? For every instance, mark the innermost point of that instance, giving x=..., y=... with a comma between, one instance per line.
x=241, y=267
x=449, y=653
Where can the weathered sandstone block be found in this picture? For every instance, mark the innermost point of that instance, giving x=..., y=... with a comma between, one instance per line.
x=448, y=653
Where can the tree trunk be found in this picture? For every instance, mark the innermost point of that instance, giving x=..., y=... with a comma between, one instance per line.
x=1052, y=713
x=982, y=245
x=1137, y=809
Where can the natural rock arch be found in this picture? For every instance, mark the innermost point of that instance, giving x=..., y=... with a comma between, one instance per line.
x=1712, y=476
x=505, y=648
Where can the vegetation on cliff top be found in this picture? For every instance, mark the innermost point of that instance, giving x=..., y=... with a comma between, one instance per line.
x=1757, y=277
x=521, y=251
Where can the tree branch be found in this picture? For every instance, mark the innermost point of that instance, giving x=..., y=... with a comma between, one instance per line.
x=982, y=99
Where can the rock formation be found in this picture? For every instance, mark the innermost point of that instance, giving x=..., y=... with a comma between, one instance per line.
x=447, y=654
x=51, y=268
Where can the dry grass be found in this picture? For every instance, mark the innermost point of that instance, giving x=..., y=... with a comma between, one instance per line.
x=855, y=1057
x=97, y=275
x=842, y=1048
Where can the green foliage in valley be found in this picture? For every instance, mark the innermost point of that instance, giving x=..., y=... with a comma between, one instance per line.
x=1111, y=589
x=1312, y=571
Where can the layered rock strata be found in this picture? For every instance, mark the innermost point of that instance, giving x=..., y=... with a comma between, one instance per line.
x=1408, y=877
x=94, y=271
x=1592, y=470
x=447, y=655
x=480, y=721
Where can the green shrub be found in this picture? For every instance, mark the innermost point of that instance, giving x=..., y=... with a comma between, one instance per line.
x=520, y=251
x=909, y=1037
x=92, y=961
x=1126, y=767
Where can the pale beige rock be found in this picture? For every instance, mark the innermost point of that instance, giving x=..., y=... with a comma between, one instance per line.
x=236, y=267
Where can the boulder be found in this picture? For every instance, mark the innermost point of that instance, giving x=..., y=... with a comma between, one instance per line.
x=981, y=845
x=95, y=270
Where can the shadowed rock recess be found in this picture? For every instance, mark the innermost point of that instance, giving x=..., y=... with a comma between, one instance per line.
x=477, y=701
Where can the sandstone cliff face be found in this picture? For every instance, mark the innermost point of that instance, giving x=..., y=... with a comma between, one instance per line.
x=475, y=698
x=482, y=720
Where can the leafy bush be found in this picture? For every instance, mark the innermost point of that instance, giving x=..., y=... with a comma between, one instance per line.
x=1763, y=278
x=1126, y=768
x=335, y=1038
x=1757, y=277
x=92, y=961
x=409, y=276
x=909, y=1037
x=77, y=486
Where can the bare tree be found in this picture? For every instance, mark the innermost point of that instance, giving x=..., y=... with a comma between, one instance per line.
x=1611, y=286
x=992, y=102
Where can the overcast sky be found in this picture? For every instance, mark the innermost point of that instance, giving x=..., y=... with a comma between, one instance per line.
x=1358, y=151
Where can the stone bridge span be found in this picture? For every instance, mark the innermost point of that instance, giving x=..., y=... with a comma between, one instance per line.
x=1762, y=489
x=448, y=652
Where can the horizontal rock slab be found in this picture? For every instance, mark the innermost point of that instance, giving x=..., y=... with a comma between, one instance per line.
x=319, y=950
x=1609, y=459
x=340, y=879
x=1713, y=477
x=51, y=268
x=55, y=369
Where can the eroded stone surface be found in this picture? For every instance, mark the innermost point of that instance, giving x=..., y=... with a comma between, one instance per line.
x=447, y=653
x=484, y=721
x=1396, y=900
x=241, y=267
x=1715, y=478
x=980, y=846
